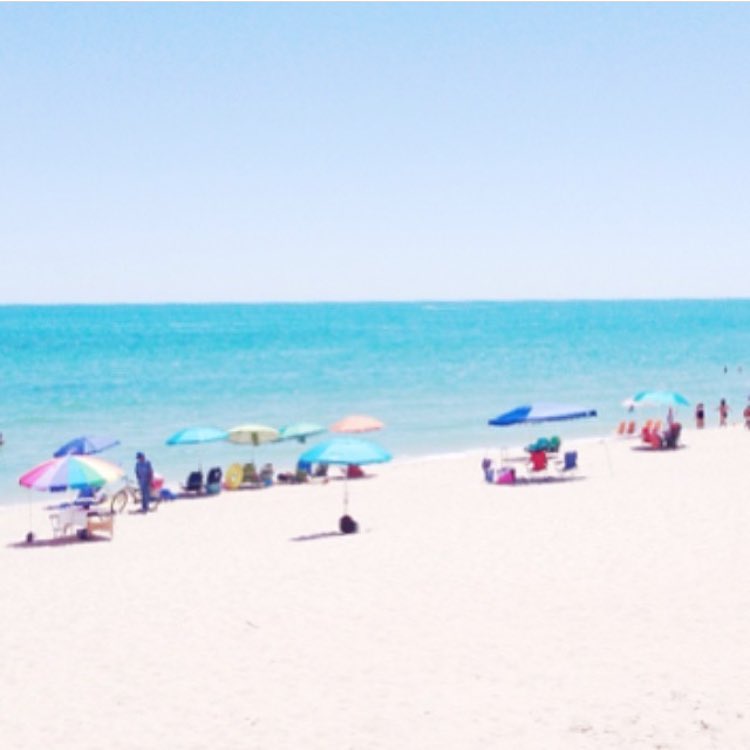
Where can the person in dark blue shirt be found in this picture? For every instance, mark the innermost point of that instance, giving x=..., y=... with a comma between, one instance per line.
x=145, y=475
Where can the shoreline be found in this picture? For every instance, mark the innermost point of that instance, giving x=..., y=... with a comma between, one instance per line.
x=23, y=496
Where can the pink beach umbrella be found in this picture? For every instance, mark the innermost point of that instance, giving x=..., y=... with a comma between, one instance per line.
x=357, y=423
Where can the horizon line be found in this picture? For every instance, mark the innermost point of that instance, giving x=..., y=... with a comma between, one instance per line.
x=414, y=301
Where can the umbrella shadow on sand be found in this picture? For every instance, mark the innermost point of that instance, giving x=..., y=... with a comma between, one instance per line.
x=322, y=535
x=60, y=541
x=651, y=449
x=525, y=481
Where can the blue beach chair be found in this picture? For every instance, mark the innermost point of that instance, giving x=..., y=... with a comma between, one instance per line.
x=569, y=462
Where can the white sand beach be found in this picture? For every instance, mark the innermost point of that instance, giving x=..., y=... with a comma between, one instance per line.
x=612, y=611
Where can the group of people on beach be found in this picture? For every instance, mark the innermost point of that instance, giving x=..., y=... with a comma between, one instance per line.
x=723, y=409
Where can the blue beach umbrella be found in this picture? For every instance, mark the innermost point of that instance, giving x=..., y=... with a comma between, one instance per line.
x=195, y=435
x=541, y=412
x=660, y=398
x=86, y=445
x=346, y=452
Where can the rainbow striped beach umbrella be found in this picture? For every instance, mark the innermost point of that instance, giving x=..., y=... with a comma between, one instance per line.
x=71, y=472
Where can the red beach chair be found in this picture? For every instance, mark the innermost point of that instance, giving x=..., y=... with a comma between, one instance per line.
x=354, y=472
x=537, y=461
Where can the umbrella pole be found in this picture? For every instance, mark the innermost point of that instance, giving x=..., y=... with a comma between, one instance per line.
x=30, y=533
x=346, y=493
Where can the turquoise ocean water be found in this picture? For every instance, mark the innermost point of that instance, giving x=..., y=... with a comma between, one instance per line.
x=434, y=372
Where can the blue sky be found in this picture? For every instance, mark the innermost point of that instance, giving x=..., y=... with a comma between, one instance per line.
x=262, y=152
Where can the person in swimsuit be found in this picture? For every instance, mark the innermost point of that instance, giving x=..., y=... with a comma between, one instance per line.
x=723, y=412
x=700, y=416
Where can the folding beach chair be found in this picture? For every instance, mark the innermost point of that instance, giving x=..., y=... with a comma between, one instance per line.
x=537, y=462
x=194, y=482
x=569, y=462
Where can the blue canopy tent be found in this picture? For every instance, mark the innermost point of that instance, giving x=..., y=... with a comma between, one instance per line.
x=541, y=412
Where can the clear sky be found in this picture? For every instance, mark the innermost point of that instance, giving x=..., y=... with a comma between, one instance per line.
x=261, y=152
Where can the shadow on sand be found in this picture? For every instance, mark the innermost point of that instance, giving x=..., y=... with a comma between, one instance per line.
x=60, y=541
x=650, y=449
x=525, y=481
x=319, y=535
x=325, y=535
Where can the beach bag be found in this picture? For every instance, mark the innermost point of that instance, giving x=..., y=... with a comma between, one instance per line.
x=506, y=476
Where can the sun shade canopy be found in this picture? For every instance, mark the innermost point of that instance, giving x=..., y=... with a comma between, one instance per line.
x=534, y=413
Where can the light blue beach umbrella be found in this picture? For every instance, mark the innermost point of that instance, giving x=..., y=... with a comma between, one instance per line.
x=299, y=431
x=660, y=398
x=541, y=412
x=195, y=435
x=346, y=452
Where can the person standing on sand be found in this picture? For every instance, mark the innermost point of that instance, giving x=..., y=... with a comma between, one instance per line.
x=144, y=473
x=700, y=416
x=746, y=414
x=723, y=412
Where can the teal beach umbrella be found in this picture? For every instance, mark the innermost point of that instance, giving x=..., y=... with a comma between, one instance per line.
x=195, y=435
x=660, y=398
x=300, y=431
